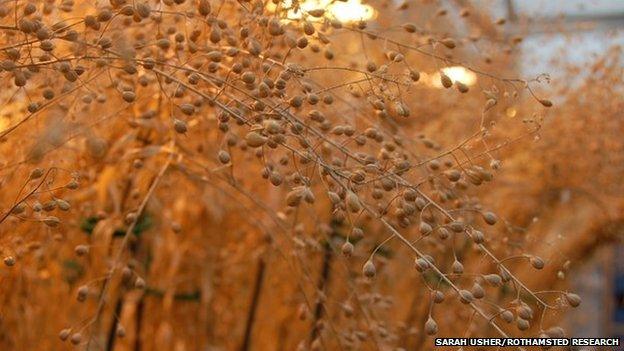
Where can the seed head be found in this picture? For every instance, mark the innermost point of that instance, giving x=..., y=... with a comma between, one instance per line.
x=536, y=262
x=369, y=269
x=431, y=327
x=573, y=299
x=347, y=249
x=9, y=261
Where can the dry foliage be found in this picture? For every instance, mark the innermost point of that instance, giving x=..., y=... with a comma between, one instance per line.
x=241, y=175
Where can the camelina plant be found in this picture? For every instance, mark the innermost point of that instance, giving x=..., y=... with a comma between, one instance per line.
x=270, y=175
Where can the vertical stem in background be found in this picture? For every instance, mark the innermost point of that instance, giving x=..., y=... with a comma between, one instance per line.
x=255, y=298
x=139, y=323
x=322, y=284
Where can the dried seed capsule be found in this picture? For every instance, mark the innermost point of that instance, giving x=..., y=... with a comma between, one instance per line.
x=522, y=324
x=422, y=264
x=490, y=218
x=224, y=157
x=347, y=249
x=449, y=43
x=546, y=103
x=477, y=291
x=121, y=331
x=507, y=316
x=409, y=27
x=75, y=338
x=431, y=327
x=82, y=293
x=293, y=198
x=51, y=221
x=128, y=96
x=64, y=334
x=573, y=299
x=461, y=87
x=81, y=250
x=63, y=205
x=524, y=311
x=493, y=279
x=445, y=80
x=457, y=267
x=139, y=283
x=369, y=269
x=536, y=262
x=9, y=261
x=203, y=7
x=438, y=296
x=255, y=139
x=465, y=296
x=180, y=126
x=36, y=173
x=353, y=202
x=425, y=229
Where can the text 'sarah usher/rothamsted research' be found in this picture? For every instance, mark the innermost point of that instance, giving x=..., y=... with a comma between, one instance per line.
x=514, y=342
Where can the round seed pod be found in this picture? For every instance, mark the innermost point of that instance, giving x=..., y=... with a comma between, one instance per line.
x=546, y=103
x=555, y=332
x=522, y=324
x=453, y=175
x=457, y=226
x=180, y=126
x=478, y=237
x=457, y=267
x=36, y=173
x=143, y=10
x=477, y=291
x=63, y=205
x=187, y=109
x=51, y=221
x=536, y=262
x=421, y=264
x=493, y=279
x=203, y=7
x=409, y=27
x=438, y=296
x=139, y=283
x=465, y=296
x=524, y=311
x=248, y=77
x=490, y=218
x=120, y=332
x=461, y=87
x=308, y=28
x=347, y=249
x=81, y=250
x=445, y=80
x=82, y=293
x=128, y=96
x=9, y=261
x=369, y=269
x=449, y=43
x=443, y=233
x=431, y=327
x=507, y=316
x=573, y=299
x=255, y=139
x=75, y=338
x=64, y=334
x=224, y=157
x=425, y=229
x=293, y=198
x=353, y=202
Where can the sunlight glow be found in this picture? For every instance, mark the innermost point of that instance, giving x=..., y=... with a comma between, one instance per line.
x=344, y=11
x=460, y=74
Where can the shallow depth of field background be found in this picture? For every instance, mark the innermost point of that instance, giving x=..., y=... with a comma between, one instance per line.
x=219, y=261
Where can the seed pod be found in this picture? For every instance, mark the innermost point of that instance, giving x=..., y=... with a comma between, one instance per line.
x=461, y=87
x=493, y=279
x=143, y=10
x=443, y=233
x=431, y=327
x=555, y=332
x=477, y=291
x=51, y=221
x=9, y=261
x=63, y=205
x=524, y=311
x=353, y=202
x=179, y=126
x=369, y=269
x=121, y=331
x=224, y=157
x=457, y=267
x=546, y=103
x=478, y=237
x=425, y=229
x=187, y=109
x=457, y=226
x=422, y=264
x=81, y=250
x=64, y=334
x=438, y=296
x=449, y=43
x=139, y=283
x=465, y=296
x=347, y=249
x=522, y=324
x=128, y=96
x=293, y=198
x=316, y=12
x=203, y=7
x=409, y=27
x=445, y=80
x=536, y=262
x=490, y=218
x=83, y=291
x=255, y=139
x=36, y=173
x=507, y=316
x=573, y=299
x=308, y=28
x=75, y=338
